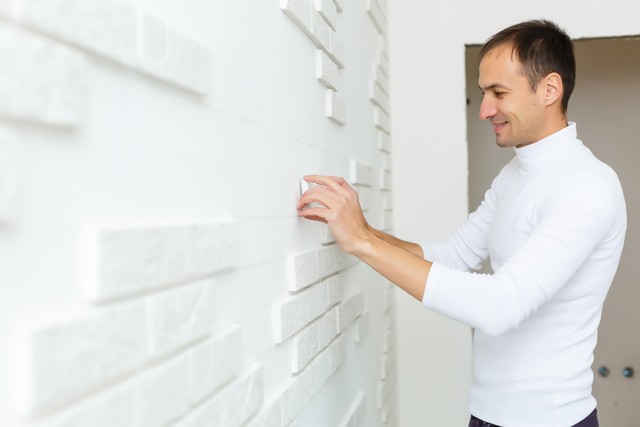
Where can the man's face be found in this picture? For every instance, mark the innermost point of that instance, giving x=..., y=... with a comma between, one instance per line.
x=514, y=110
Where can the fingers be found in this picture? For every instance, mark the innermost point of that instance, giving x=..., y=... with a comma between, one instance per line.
x=309, y=214
x=317, y=194
x=336, y=183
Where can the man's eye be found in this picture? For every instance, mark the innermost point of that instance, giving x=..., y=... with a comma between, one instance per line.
x=499, y=94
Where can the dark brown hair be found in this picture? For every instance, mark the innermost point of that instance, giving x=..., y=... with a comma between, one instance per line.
x=541, y=47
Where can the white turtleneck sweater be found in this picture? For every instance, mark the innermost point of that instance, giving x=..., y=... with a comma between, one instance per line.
x=553, y=224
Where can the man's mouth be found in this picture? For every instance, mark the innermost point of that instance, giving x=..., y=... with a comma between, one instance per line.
x=497, y=127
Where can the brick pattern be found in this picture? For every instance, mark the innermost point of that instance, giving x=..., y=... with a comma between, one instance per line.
x=318, y=20
x=119, y=32
x=52, y=94
x=388, y=385
x=377, y=11
x=336, y=108
x=139, y=259
x=379, y=96
x=180, y=322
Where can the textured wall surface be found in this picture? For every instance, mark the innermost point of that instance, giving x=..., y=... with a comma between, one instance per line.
x=153, y=270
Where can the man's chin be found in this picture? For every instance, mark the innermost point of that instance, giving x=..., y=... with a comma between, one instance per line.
x=500, y=142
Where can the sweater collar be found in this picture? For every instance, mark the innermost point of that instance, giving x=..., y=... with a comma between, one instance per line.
x=547, y=149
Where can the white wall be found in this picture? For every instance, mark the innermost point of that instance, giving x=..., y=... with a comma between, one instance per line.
x=153, y=270
x=427, y=41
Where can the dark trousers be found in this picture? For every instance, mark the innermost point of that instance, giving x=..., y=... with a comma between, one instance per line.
x=590, y=421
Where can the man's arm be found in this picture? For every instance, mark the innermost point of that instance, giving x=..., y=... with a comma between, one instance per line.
x=399, y=261
x=414, y=248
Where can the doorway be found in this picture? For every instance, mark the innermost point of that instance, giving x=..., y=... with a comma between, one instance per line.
x=606, y=107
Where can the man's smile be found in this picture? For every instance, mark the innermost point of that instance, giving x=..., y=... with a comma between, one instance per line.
x=498, y=126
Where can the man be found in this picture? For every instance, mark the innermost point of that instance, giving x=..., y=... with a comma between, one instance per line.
x=552, y=224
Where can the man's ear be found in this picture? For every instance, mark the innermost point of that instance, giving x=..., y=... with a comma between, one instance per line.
x=553, y=88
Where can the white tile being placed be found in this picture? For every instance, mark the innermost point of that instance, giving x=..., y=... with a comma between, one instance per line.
x=137, y=259
x=70, y=358
x=180, y=316
x=335, y=108
x=40, y=80
x=104, y=27
x=173, y=57
x=327, y=71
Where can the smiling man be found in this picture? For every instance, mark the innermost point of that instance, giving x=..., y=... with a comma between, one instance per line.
x=552, y=224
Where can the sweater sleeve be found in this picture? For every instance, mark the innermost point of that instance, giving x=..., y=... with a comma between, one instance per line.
x=467, y=248
x=573, y=220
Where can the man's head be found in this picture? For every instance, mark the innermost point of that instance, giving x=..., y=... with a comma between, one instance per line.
x=527, y=74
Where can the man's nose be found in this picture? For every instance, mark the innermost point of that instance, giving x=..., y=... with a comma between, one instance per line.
x=487, y=109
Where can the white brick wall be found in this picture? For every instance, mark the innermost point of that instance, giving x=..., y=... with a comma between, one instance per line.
x=154, y=269
x=105, y=27
x=75, y=357
x=53, y=93
x=134, y=260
